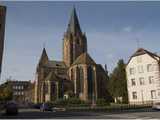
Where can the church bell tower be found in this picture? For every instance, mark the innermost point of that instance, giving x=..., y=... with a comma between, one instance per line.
x=74, y=41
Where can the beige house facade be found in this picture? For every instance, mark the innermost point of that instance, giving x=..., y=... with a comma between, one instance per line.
x=143, y=77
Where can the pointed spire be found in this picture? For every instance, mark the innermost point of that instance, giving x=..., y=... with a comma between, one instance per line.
x=106, y=69
x=73, y=26
x=44, y=56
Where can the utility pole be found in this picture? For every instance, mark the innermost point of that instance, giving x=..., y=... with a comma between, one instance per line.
x=2, y=32
x=138, y=43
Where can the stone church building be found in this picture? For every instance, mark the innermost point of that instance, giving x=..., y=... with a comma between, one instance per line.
x=76, y=75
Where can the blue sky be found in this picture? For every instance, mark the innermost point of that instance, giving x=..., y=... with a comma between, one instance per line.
x=112, y=30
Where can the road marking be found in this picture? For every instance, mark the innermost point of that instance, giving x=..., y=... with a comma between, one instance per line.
x=127, y=116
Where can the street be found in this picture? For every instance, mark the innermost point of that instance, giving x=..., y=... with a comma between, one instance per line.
x=36, y=114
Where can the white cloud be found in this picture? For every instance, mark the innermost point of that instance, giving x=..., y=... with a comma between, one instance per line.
x=127, y=29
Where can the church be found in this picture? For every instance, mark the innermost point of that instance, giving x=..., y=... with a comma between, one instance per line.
x=77, y=75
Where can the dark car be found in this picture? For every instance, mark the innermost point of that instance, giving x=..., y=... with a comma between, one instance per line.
x=11, y=108
x=45, y=107
x=37, y=106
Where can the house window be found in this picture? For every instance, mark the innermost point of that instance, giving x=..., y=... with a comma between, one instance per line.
x=153, y=94
x=149, y=67
x=158, y=92
x=133, y=82
x=156, y=67
x=15, y=93
x=141, y=80
x=131, y=70
x=151, y=79
x=140, y=69
x=134, y=95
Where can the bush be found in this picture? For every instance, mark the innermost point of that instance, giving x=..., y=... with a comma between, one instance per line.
x=74, y=101
x=60, y=102
x=69, y=102
x=102, y=102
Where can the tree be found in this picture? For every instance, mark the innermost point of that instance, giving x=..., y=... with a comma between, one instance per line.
x=6, y=93
x=118, y=82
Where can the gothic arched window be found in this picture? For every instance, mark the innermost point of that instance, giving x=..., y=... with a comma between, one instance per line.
x=78, y=80
x=45, y=88
x=71, y=53
x=81, y=79
x=78, y=41
x=90, y=74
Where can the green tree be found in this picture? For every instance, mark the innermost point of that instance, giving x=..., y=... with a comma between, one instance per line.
x=118, y=82
x=108, y=95
x=7, y=92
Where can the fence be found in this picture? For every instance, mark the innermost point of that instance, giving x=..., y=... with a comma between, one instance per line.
x=114, y=108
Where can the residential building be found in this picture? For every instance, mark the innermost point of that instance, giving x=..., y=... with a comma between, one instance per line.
x=143, y=77
x=19, y=89
x=30, y=93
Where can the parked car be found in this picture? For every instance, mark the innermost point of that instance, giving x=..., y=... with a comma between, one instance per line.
x=45, y=107
x=59, y=109
x=156, y=106
x=36, y=106
x=11, y=108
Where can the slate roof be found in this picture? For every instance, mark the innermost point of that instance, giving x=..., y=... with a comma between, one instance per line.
x=73, y=26
x=51, y=76
x=99, y=66
x=84, y=58
x=44, y=56
x=55, y=64
x=142, y=51
x=44, y=53
x=2, y=9
x=54, y=77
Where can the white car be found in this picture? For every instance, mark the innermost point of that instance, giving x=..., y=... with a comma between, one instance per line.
x=59, y=109
x=156, y=106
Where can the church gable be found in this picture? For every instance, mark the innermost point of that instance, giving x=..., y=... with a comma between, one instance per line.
x=84, y=58
x=51, y=77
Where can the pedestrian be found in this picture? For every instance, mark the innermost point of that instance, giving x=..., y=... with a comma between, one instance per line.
x=42, y=107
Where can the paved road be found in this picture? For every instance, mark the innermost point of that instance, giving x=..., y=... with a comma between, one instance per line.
x=36, y=114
